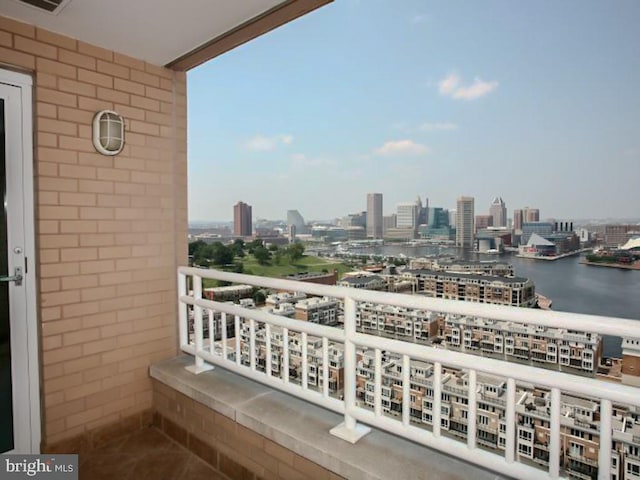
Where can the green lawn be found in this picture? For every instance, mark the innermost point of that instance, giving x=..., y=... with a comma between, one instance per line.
x=305, y=264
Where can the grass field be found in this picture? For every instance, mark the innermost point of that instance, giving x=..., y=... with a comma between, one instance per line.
x=306, y=264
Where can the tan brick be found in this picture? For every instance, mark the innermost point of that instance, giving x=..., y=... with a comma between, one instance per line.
x=59, y=269
x=129, y=113
x=81, y=336
x=46, y=110
x=146, y=78
x=128, y=87
x=15, y=26
x=6, y=39
x=34, y=47
x=57, y=126
x=113, y=69
x=19, y=59
x=98, y=293
x=78, y=226
x=145, y=103
x=128, y=61
x=99, y=319
x=80, y=419
x=58, y=184
x=80, y=309
x=50, y=314
x=46, y=80
x=95, y=78
x=76, y=143
x=57, y=98
x=62, y=383
x=48, y=227
x=44, y=139
x=81, y=281
x=159, y=71
x=78, y=88
x=49, y=343
x=76, y=59
x=113, y=95
x=96, y=213
x=57, y=69
x=159, y=94
x=78, y=254
x=56, y=155
x=48, y=198
x=57, y=212
x=98, y=266
x=95, y=186
x=77, y=171
x=61, y=354
x=114, y=226
x=93, y=104
x=113, y=200
x=78, y=199
x=53, y=299
x=159, y=118
x=95, y=160
x=97, y=240
x=55, y=39
x=144, y=127
x=116, y=175
x=49, y=255
x=99, y=346
x=94, y=51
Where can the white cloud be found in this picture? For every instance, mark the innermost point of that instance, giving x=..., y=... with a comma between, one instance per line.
x=301, y=160
x=401, y=147
x=450, y=86
x=261, y=143
x=432, y=127
x=447, y=85
x=477, y=90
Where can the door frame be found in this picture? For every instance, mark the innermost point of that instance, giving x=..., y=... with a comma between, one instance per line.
x=25, y=441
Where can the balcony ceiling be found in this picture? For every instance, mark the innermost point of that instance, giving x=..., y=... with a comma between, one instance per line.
x=177, y=33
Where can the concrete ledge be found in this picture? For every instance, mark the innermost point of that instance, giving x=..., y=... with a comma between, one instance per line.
x=303, y=428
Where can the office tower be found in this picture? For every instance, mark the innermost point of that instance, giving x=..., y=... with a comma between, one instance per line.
x=296, y=219
x=242, y=220
x=498, y=211
x=531, y=215
x=453, y=217
x=388, y=221
x=464, y=222
x=374, y=215
x=517, y=219
x=407, y=215
x=483, y=222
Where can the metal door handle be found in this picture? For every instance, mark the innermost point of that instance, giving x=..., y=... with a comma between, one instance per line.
x=17, y=277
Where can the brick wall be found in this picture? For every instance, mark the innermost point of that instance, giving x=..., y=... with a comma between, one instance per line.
x=234, y=450
x=110, y=230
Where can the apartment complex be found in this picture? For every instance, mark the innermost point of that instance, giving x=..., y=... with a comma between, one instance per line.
x=317, y=310
x=550, y=347
x=471, y=287
x=396, y=322
x=495, y=268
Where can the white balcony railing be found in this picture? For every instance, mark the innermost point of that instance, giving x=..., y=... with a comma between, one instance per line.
x=227, y=353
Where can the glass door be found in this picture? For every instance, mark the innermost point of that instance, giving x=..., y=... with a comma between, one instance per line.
x=6, y=390
x=19, y=375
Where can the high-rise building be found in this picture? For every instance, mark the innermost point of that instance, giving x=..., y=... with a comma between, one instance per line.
x=374, y=215
x=407, y=215
x=464, y=222
x=531, y=215
x=388, y=222
x=518, y=219
x=498, y=211
x=297, y=220
x=483, y=222
x=242, y=220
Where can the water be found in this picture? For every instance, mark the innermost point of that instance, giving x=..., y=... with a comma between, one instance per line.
x=571, y=286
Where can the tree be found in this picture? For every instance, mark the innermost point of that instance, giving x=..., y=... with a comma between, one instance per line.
x=262, y=255
x=295, y=251
x=221, y=254
x=237, y=247
x=195, y=246
x=251, y=246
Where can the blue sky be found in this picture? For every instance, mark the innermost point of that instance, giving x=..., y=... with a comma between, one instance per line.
x=538, y=102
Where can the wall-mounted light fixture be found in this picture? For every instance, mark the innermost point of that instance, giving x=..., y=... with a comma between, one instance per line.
x=108, y=132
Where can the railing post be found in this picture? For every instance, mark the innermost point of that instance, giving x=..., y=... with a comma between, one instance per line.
x=554, y=434
x=349, y=430
x=604, y=455
x=199, y=366
x=183, y=316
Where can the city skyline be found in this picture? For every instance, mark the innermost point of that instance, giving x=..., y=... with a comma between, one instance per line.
x=535, y=102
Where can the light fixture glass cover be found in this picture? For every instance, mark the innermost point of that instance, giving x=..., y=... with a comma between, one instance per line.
x=108, y=132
